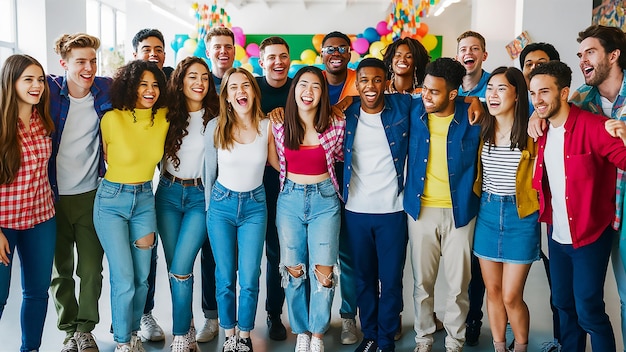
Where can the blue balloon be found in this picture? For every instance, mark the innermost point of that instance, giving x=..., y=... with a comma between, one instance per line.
x=237, y=63
x=200, y=49
x=371, y=34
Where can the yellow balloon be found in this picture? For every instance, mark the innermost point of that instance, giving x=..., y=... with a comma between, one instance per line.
x=429, y=41
x=248, y=66
x=190, y=45
x=354, y=56
x=240, y=52
x=308, y=56
x=297, y=62
x=376, y=47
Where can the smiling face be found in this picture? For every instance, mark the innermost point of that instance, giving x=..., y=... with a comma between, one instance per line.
x=221, y=52
x=151, y=49
x=595, y=62
x=370, y=83
x=471, y=54
x=501, y=96
x=240, y=93
x=80, y=66
x=532, y=60
x=546, y=96
x=195, y=86
x=148, y=91
x=437, y=98
x=275, y=62
x=336, y=63
x=402, y=62
x=30, y=86
x=308, y=92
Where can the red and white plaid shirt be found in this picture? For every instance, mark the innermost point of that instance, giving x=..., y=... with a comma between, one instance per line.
x=28, y=200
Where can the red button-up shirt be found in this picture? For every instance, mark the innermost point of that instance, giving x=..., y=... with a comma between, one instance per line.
x=28, y=200
x=591, y=156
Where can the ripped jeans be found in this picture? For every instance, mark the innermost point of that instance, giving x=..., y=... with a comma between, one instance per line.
x=308, y=221
x=123, y=214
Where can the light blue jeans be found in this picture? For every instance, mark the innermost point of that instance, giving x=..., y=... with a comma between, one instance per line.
x=308, y=221
x=181, y=220
x=123, y=214
x=236, y=222
x=35, y=247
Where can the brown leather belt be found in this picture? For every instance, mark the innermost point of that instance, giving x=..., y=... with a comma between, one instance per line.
x=185, y=182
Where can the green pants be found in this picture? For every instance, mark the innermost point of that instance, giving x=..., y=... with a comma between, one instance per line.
x=75, y=228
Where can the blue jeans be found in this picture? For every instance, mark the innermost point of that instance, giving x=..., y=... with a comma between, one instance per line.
x=236, y=223
x=308, y=220
x=35, y=247
x=578, y=277
x=620, y=279
x=181, y=220
x=275, y=292
x=347, y=283
x=123, y=214
x=380, y=240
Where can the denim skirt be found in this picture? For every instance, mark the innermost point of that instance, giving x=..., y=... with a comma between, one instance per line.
x=501, y=236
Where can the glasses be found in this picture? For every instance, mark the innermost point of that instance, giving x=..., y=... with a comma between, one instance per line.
x=333, y=49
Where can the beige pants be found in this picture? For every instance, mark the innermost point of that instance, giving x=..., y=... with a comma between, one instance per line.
x=432, y=237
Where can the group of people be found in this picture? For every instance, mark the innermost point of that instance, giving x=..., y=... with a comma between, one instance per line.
x=325, y=187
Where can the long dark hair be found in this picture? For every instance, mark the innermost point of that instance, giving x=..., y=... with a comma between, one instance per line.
x=10, y=146
x=421, y=58
x=123, y=91
x=294, y=127
x=519, y=134
x=178, y=113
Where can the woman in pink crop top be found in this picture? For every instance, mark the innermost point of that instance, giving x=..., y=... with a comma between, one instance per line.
x=308, y=213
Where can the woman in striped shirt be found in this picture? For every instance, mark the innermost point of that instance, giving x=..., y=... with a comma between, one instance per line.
x=506, y=238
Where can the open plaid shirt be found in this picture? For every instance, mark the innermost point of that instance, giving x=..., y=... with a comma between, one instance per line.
x=28, y=200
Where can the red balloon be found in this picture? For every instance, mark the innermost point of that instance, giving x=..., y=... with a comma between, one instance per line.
x=422, y=30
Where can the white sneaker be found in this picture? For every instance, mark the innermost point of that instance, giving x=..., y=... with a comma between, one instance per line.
x=149, y=329
x=122, y=348
x=423, y=347
x=348, y=332
x=135, y=344
x=179, y=344
x=317, y=344
x=303, y=343
x=208, y=331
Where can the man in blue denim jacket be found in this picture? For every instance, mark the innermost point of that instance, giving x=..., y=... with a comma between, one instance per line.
x=375, y=149
x=439, y=199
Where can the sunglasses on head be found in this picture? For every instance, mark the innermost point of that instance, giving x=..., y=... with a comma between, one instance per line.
x=332, y=49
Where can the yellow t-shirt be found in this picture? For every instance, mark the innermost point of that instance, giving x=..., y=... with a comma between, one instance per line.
x=133, y=149
x=437, y=183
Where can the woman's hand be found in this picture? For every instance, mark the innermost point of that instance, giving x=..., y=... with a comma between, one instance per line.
x=4, y=250
x=277, y=115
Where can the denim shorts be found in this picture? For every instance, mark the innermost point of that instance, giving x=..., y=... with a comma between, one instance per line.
x=501, y=236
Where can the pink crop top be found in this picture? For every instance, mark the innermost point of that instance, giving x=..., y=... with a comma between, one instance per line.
x=307, y=160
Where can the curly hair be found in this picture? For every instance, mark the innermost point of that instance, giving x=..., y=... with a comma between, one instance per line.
x=421, y=58
x=178, y=113
x=124, y=89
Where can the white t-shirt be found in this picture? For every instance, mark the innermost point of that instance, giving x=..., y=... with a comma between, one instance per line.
x=79, y=149
x=191, y=152
x=554, y=158
x=373, y=185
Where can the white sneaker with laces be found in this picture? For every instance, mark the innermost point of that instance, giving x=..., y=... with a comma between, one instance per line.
x=317, y=344
x=149, y=329
x=348, y=332
x=179, y=344
x=135, y=344
x=303, y=343
x=208, y=331
x=122, y=348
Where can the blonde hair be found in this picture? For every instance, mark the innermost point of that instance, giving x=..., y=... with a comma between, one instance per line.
x=65, y=43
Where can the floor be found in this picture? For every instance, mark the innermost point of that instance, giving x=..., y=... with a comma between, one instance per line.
x=536, y=295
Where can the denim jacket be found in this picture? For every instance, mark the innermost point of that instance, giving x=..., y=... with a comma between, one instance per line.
x=463, y=142
x=395, y=118
x=60, y=106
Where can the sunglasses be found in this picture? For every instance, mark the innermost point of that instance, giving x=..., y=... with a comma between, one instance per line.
x=333, y=49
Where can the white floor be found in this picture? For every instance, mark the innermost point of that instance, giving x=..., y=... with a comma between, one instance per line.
x=536, y=297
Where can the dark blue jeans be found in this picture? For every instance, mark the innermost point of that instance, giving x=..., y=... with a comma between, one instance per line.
x=35, y=247
x=476, y=291
x=578, y=277
x=275, y=292
x=380, y=240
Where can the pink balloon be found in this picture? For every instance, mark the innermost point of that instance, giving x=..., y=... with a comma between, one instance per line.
x=381, y=28
x=237, y=30
x=360, y=45
x=240, y=39
x=252, y=50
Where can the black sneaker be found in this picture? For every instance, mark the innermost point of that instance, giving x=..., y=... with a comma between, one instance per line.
x=244, y=344
x=276, y=328
x=472, y=333
x=367, y=345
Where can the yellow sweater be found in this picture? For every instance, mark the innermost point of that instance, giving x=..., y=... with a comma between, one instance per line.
x=133, y=149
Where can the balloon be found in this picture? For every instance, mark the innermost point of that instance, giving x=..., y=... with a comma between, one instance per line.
x=371, y=34
x=193, y=35
x=296, y=62
x=294, y=69
x=381, y=28
x=376, y=48
x=179, y=40
x=240, y=52
x=429, y=41
x=194, y=6
x=237, y=63
x=422, y=30
x=354, y=56
x=240, y=39
x=360, y=45
x=236, y=30
x=190, y=45
x=252, y=49
x=200, y=49
x=181, y=54
x=248, y=67
x=308, y=56
x=317, y=42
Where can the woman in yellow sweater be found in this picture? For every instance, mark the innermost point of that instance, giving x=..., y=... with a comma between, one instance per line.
x=133, y=137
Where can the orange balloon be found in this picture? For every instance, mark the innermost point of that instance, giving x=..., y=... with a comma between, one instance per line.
x=317, y=42
x=422, y=30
